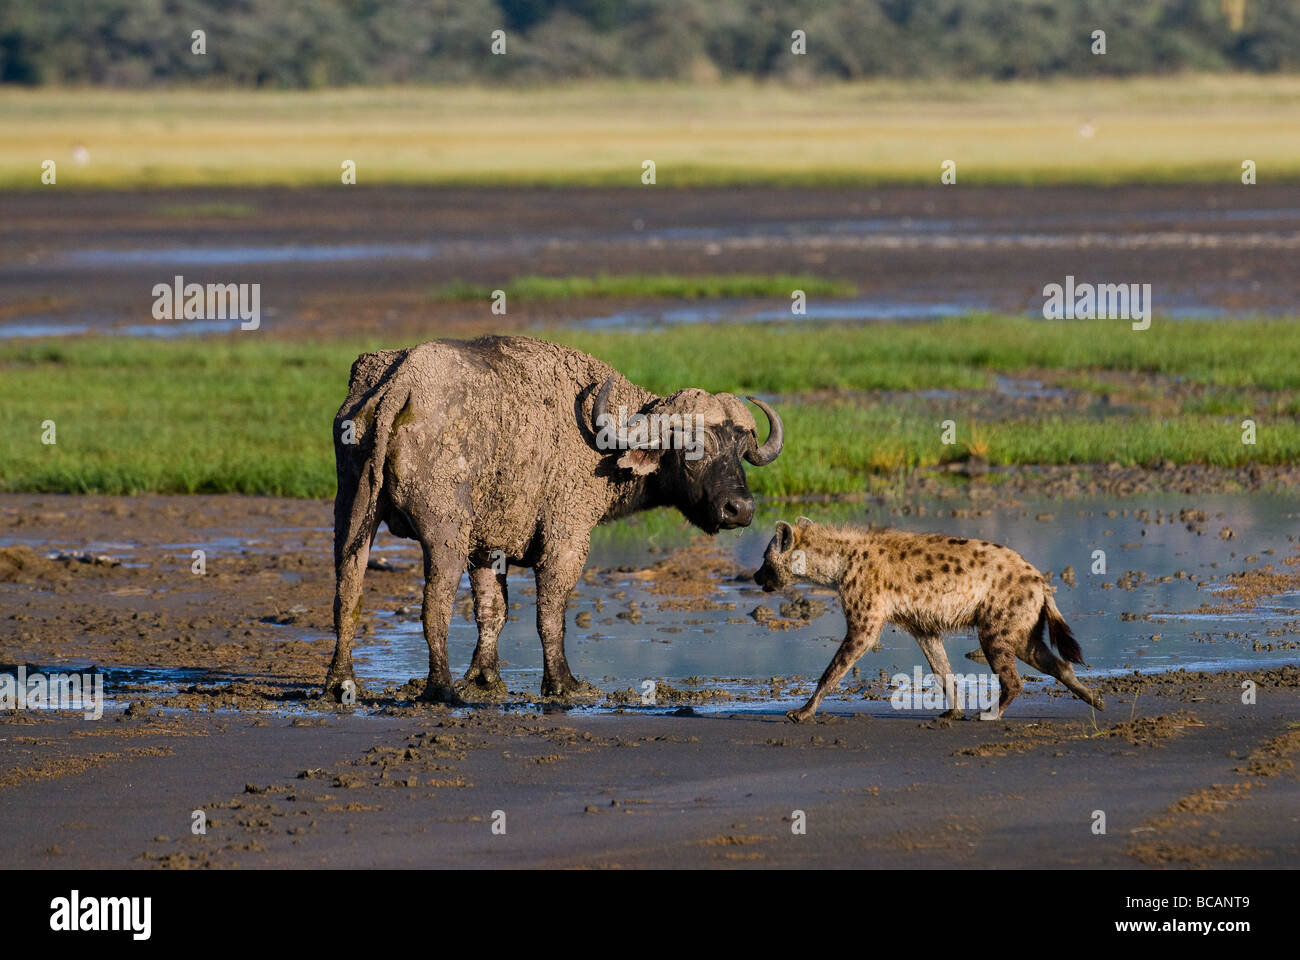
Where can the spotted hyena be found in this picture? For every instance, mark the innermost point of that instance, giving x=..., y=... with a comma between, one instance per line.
x=927, y=584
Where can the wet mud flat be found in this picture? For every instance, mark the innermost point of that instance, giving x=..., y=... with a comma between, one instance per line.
x=365, y=260
x=212, y=679
x=115, y=583
x=242, y=587
x=1185, y=775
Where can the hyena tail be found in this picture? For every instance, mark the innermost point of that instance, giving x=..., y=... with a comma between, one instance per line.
x=1062, y=639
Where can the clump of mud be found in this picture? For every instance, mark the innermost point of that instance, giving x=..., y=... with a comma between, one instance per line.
x=799, y=611
x=1143, y=731
x=803, y=608
x=1242, y=592
x=1159, y=854
x=1149, y=731
x=24, y=565
x=1194, y=684
x=694, y=570
x=1270, y=758
x=665, y=693
x=237, y=695
x=19, y=564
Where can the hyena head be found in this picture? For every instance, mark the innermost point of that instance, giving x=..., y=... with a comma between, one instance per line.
x=790, y=557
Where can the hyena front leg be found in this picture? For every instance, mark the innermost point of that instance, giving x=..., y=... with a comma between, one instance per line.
x=863, y=634
x=934, y=652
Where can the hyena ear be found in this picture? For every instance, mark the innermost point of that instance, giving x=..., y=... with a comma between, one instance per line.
x=803, y=522
x=784, y=536
x=640, y=462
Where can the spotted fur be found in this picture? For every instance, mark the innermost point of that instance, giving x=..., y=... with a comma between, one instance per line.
x=928, y=584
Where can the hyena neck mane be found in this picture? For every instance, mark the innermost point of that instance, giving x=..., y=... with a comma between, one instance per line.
x=826, y=552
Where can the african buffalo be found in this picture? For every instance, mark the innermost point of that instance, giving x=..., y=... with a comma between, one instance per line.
x=510, y=450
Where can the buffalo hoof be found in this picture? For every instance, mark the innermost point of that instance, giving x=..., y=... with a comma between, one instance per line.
x=439, y=692
x=341, y=688
x=571, y=688
x=482, y=684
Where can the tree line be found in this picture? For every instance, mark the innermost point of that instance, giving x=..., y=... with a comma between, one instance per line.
x=320, y=43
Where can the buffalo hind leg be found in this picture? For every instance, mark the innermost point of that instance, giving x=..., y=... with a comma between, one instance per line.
x=349, y=571
x=444, y=562
x=490, y=611
x=557, y=575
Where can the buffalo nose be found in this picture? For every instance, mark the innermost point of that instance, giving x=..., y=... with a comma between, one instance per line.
x=737, y=512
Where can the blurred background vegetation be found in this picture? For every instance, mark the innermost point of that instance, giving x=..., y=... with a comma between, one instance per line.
x=322, y=43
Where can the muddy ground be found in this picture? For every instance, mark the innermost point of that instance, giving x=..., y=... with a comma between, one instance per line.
x=93, y=258
x=1194, y=779
x=1186, y=773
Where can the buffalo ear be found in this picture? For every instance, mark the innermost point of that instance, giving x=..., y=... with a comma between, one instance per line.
x=784, y=536
x=640, y=462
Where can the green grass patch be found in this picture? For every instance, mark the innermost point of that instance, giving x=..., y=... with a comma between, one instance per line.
x=838, y=447
x=958, y=353
x=649, y=285
x=249, y=415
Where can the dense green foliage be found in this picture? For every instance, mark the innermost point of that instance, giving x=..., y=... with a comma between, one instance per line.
x=313, y=43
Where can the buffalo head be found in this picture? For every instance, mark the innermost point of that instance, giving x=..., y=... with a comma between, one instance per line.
x=690, y=446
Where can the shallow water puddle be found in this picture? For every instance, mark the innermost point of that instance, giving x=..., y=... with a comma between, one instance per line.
x=1140, y=614
x=933, y=231
x=750, y=311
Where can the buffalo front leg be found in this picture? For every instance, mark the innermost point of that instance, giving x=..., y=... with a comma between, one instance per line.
x=490, y=611
x=444, y=561
x=557, y=575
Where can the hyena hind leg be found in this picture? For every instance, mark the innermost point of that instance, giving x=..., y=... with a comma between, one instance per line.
x=1038, y=655
x=997, y=649
x=932, y=647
